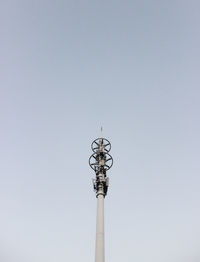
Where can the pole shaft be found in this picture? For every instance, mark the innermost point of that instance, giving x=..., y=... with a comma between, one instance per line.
x=99, y=254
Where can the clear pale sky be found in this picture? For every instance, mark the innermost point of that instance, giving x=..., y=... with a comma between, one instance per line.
x=68, y=67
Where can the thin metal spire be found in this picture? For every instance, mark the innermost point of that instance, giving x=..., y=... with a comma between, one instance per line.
x=101, y=132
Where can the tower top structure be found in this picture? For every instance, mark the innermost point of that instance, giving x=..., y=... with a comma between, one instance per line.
x=101, y=161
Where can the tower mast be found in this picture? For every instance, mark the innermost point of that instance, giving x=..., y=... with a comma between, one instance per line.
x=100, y=161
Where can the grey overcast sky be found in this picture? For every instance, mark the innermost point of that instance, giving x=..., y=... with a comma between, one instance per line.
x=66, y=68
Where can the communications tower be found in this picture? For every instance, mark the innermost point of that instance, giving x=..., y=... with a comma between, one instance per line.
x=100, y=161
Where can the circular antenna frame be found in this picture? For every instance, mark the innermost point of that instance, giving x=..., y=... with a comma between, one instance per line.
x=94, y=164
x=96, y=145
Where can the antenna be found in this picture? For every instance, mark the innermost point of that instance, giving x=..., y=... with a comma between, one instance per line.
x=100, y=161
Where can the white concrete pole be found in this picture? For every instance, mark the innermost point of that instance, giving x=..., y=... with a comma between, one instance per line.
x=99, y=254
